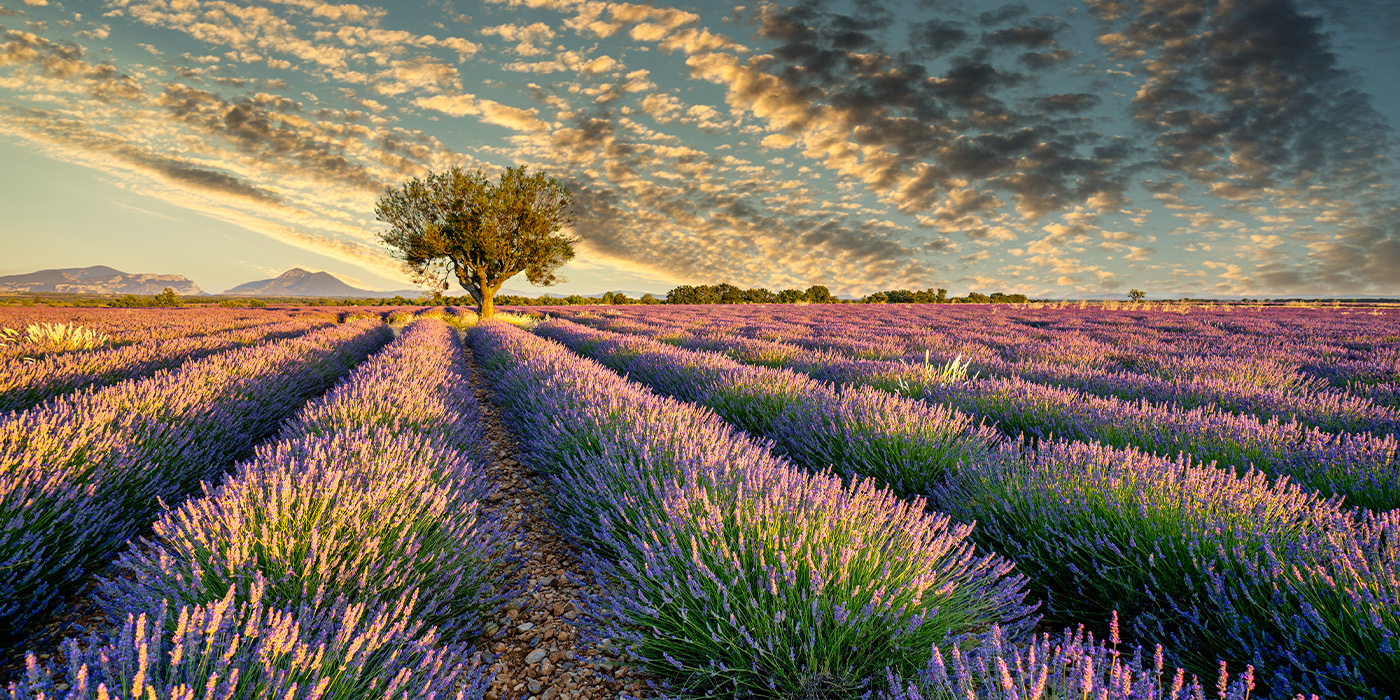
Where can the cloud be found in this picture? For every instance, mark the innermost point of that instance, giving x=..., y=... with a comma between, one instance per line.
x=489, y=111
x=936, y=37
x=526, y=37
x=1248, y=101
x=1004, y=13
x=73, y=134
x=269, y=129
x=1040, y=34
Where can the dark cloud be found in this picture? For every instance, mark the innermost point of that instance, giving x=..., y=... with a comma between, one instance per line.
x=1246, y=95
x=936, y=37
x=1070, y=102
x=746, y=232
x=259, y=127
x=202, y=178
x=958, y=124
x=1043, y=60
x=1039, y=34
x=1249, y=90
x=1005, y=13
x=1376, y=20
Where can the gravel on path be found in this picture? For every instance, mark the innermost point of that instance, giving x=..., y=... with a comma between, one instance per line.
x=540, y=654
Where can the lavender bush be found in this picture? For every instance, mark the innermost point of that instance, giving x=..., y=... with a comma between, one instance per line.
x=81, y=475
x=1214, y=566
x=1265, y=364
x=1361, y=467
x=1072, y=665
x=859, y=432
x=26, y=381
x=370, y=501
x=324, y=650
x=373, y=492
x=727, y=571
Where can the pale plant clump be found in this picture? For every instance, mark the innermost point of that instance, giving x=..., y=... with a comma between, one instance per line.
x=54, y=337
x=518, y=320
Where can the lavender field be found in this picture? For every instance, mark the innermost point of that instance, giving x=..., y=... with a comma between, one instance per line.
x=891, y=502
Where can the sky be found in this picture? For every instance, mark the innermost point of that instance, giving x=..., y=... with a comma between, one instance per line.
x=1056, y=148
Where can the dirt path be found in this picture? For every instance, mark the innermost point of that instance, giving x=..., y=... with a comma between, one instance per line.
x=540, y=654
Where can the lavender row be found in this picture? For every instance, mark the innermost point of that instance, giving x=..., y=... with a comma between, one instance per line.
x=725, y=570
x=779, y=404
x=83, y=473
x=861, y=432
x=127, y=326
x=1304, y=402
x=249, y=650
x=1361, y=467
x=1067, y=666
x=25, y=383
x=1267, y=385
x=1268, y=346
x=371, y=500
x=1202, y=386
x=1218, y=567
x=1192, y=555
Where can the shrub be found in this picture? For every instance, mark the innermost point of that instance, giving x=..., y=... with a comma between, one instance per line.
x=730, y=572
x=54, y=337
x=329, y=650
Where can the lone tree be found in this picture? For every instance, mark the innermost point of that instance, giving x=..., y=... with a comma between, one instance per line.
x=1137, y=294
x=461, y=223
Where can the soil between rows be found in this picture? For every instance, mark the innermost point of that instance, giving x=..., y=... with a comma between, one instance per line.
x=540, y=655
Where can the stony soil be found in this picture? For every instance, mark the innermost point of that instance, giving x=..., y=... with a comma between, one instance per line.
x=541, y=655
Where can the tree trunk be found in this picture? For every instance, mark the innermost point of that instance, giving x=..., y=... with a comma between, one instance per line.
x=486, y=302
x=470, y=285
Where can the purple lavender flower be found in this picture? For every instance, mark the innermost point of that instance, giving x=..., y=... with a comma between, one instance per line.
x=373, y=491
x=85, y=472
x=327, y=649
x=723, y=567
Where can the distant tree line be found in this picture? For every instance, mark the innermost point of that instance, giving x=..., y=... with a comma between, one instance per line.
x=725, y=293
x=817, y=294
x=940, y=296
x=607, y=299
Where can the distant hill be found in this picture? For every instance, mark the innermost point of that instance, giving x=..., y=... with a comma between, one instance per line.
x=297, y=282
x=98, y=279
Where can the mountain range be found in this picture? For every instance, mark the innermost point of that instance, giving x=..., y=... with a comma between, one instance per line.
x=297, y=282
x=98, y=279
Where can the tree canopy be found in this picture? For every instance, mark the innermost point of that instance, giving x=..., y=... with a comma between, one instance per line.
x=460, y=223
